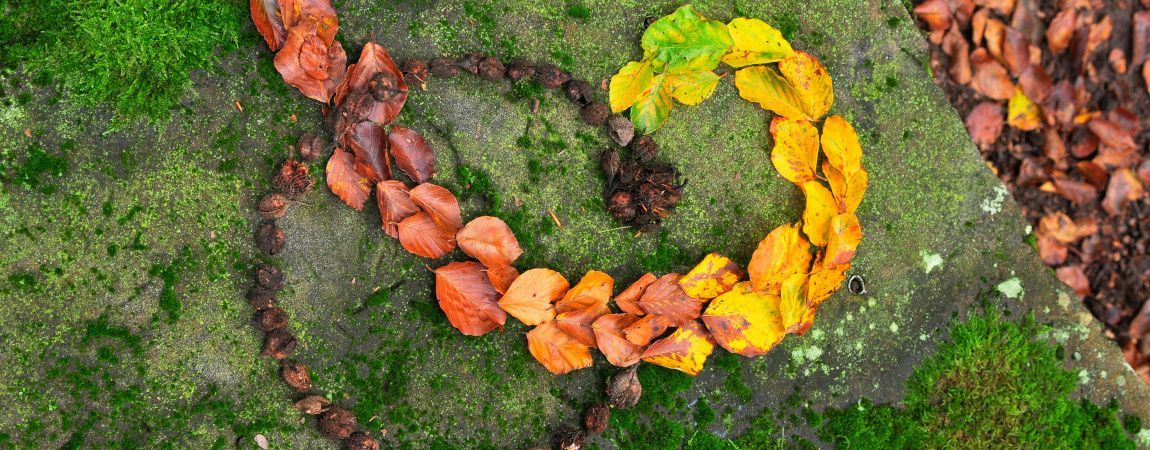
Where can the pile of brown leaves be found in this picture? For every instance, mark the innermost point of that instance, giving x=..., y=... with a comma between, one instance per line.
x=1054, y=94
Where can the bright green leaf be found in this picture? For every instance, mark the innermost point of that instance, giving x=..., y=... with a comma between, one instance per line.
x=685, y=41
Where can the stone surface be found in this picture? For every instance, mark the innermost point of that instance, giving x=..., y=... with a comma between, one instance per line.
x=124, y=276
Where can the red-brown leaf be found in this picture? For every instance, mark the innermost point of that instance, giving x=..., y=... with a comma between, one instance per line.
x=394, y=205
x=1061, y=30
x=1099, y=33
x=502, y=278
x=1077, y=192
x=489, y=240
x=665, y=298
x=1054, y=147
x=266, y=16
x=628, y=300
x=467, y=298
x=935, y=13
x=368, y=141
x=578, y=323
x=420, y=235
x=298, y=57
x=984, y=123
x=955, y=45
x=1015, y=51
x=531, y=295
x=440, y=204
x=1036, y=83
x=1093, y=174
x=1063, y=229
x=1052, y=252
x=611, y=341
x=1141, y=32
x=412, y=154
x=344, y=182
x=990, y=78
x=1004, y=7
x=1074, y=277
x=1031, y=173
x=1124, y=188
x=293, y=12
x=373, y=59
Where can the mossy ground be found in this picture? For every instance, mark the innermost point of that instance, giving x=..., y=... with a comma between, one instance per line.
x=127, y=247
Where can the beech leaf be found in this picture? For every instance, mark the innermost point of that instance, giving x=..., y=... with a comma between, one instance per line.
x=420, y=235
x=713, y=276
x=394, y=205
x=691, y=88
x=820, y=209
x=412, y=154
x=755, y=42
x=593, y=289
x=467, y=298
x=298, y=62
x=293, y=12
x=783, y=253
x=796, y=149
x=558, y=351
x=489, y=240
x=841, y=145
x=626, y=85
x=344, y=181
x=684, y=350
x=1022, y=113
x=373, y=60
x=646, y=329
x=685, y=41
x=577, y=323
x=266, y=16
x=652, y=105
x=665, y=298
x=628, y=300
x=440, y=204
x=745, y=322
x=611, y=342
x=844, y=237
x=368, y=142
x=502, y=278
x=530, y=296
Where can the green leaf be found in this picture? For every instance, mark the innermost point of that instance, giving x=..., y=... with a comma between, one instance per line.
x=652, y=106
x=755, y=42
x=692, y=88
x=629, y=83
x=685, y=41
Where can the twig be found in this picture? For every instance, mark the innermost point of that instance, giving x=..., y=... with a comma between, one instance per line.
x=555, y=218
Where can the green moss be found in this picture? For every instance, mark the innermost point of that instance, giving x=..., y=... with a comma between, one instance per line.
x=30, y=170
x=704, y=414
x=992, y=385
x=170, y=274
x=707, y=441
x=762, y=433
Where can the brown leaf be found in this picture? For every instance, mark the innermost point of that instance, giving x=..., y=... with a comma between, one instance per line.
x=1117, y=59
x=609, y=335
x=1004, y=7
x=502, y=278
x=420, y=235
x=990, y=78
x=955, y=45
x=1054, y=148
x=344, y=182
x=984, y=123
x=1144, y=172
x=302, y=57
x=394, y=205
x=412, y=154
x=1118, y=148
x=266, y=16
x=1025, y=20
x=1099, y=33
x=577, y=323
x=994, y=35
x=440, y=204
x=293, y=12
x=593, y=289
x=558, y=351
x=1015, y=51
x=489, y=240
x=467, y=298
x=1093, y=174
x=530, y=296
x=1124, y=188
x=978, y=26
x=1061, y=228
x=1035, y=83
x=1052, y=252
x=1077, y=192
x=1061, y=30
x=1141, y=35
x=1031, y=173
x=713, y=276
x=646, y=329
x=961, y=11
x=1074, y=277
x=1086, y=145
x=628, y=300
x=374, y=60
x=368, y=141
x=665, y=298
x=935, y=13
x=1061, y=105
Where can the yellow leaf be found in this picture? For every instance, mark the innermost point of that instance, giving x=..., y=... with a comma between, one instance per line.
x=796, y=150
x=818, y=213
x=756, y=42
x=652, y=105
x=793, y=301
x=811, y=81
x=763, y=85
x=841, y=145
x=848, y=194
x=845, y=235
x=784, y=252
x=685, y=350
x=744, y=321
x=626, y=85
x=691, y=88
x=825, y=281
x=714, y=275
x=1022, y=113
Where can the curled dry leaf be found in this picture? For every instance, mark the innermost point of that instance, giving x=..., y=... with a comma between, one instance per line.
x=611, y=342
x=556, y=350
x=784, y=252
x=796, y=149
x=374, y=61
x=345, y=182
x=745, y=322
x=1093, y=174
x=1074, y=277
x=984, y=123
x=412, y=154
x=646, y=329
x=266, y=16
x=665, y=298
x=628, y=300
x=440, y=204
x=368, y=142
x=293, y=12
x=1124, y=188
x=420, y=235
x=467, y=298
x=713, y=276
x=489, y=240
x=395, y=205
x=530, y=296
x=990, y=78
x=684, y=350
x=501, y=278
x=309, y=64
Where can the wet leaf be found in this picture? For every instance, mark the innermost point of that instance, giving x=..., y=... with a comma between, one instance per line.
x=373, y=60
x=631, y=81
x=558, y=351
x=394, y=205
x=489, y=240
x=611, y=342
x=593, y=289
x=412, y=154
x=825, y=281
x=652, y=105
x=531, y=295
x=984, y=123
x=467, y=298
x=420, y=235
x=1124, y=188
x=691, y=88
x=713, y=276
x=684, y=350
x=307, y=64
x=665, y=298
x=1022, y=113
x=646, y=329
x=755, y=42
x=1074, y=277
x=745, y=322
x=440, y=204
x=796, y=149
x=820, y=209
x=783, y=253
x=685, y=41
x=266, y=16
x=628, y=300
x=368, y=142
x=344, y=182
x=501, y=278
x=990, y=78
x=845, y=235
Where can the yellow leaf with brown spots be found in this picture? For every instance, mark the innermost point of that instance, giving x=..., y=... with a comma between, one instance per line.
x=684, y=350
x=844, y=238
x=796, y=149
x=793, y=302
x=713, y=276
x=818, y=213
x=784, y=252
x=841, y=145
x=744, y=321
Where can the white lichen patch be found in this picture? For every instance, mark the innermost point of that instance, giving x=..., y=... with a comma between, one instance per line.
x=893, y=328
x=922, y=337
x=930, y=261
x=1083, y=377
x=1144, y=437
x=1011, y=288
x=994, y=205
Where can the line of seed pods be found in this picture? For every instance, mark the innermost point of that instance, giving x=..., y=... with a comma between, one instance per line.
x=293, y=180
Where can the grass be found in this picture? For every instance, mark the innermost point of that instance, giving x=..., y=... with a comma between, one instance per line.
x=993, y=385
x=135, y=55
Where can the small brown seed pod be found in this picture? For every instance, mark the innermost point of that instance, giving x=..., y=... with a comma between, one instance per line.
x=384, y=86
x=279, y=344
x=292, y=179
x=271, y=319
x=645, y=148
x=596, y=418
x=491, y=69
x=595, y=113
x=310, y=147
x=443, y=67
x=261, y=298
x=470, y=62
x=270, y=238
x=415, y=72
x=313, y=404
x=624, y=390
x=579, y=92
x=269, y=277
x=337, y=423
x=621, y=130
x=295, y=375
x=622, y=206
x=360, y=440
x=551, y=77
x=609, y=161
x=570, y=438
x=273, y=206
x=520, y=68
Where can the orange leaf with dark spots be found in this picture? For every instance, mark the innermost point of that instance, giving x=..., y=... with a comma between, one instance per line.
x=412, y=154
x=467, y=298
x=489, y=240
x=344, y=182
x=665, y=298
x=394, y=205
x=628, y=300
x=293, y=12
x=502, y=277
x=558, y=351
x=684, y=350
x=302, y=57
x=646, y=329
x=420, y=235
x=440, y=204
x=530, y=296
x=611, y=342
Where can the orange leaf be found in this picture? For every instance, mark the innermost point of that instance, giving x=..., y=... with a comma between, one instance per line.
x=266, y=16
x=344, y=182
x=684, y=350
x=845, y=235
x=440, y=204
x=848, y=193
x=530, y=296
x=467, y=298
x=295, y=11
x=394, y=205
x=665, y=298
x=578, y=323
x=557, y=351
x=796, y=149
x=784, y=252
x=420, y=235
x=818, y=213
x=412, y=154
x=825, y=281
x=594, y=289
x=628, y=300
x=373, y=60
x=502, y=278
x=368, y=142
x=306, y=64
x=713, y=276
x=489, y=240
x=611, y=342
x=646, y=329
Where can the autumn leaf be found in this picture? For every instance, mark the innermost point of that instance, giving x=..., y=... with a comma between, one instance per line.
x=293, y=12
x=665, y=298
x=984, y=123
x=611, y=342
x=1022, y=113
x=646, y=329
x=368, y=142
x=344, y=182
x=848, y=194
x=440, y=204
x=530, y=296
x=783, y=253
x=489, y=240
x=652, y=105
x=420, y=235
x=691, y=88
x=628, y=300
x=755, y=42
x=558, y=351
x=713, y=276
x=841, y=145
x=811, y=81
x=266, y=16
x=684, y=350
x=412, y=154
x=796, y=149
x=467, y=298
x=764, y=85
x=577, y=323
x=373, y=60
x=685, y=41
x=394, y=205
x=593, y=289
x=745, y=322
x=793, y=302
x=990, y=78
x=818, y=213
x=308, y=64
x=823, y=282
x=501, y=278
x=631, y=81
x=844, y=237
